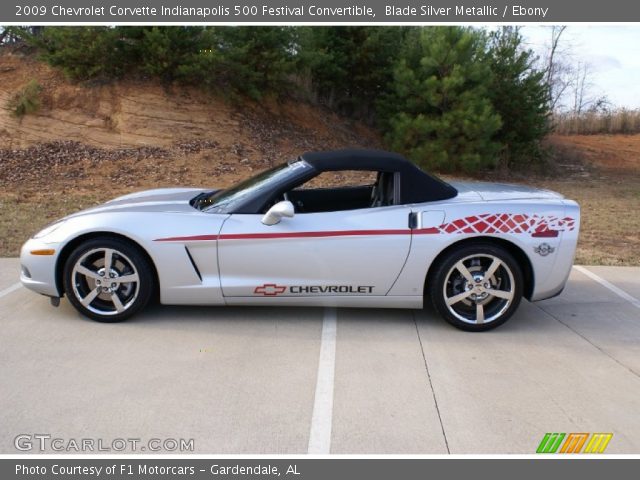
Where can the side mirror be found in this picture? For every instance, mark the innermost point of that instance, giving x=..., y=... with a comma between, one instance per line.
x=279, y=210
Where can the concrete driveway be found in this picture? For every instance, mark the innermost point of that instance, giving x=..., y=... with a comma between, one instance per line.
x=298, y=380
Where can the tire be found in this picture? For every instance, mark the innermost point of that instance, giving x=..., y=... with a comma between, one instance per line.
x=103, y=295
x=462, y=295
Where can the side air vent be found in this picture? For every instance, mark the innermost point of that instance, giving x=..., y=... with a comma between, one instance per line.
x=193, y=264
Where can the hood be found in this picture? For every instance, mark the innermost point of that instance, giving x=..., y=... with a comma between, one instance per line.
x=168, y=200
x=504, y=191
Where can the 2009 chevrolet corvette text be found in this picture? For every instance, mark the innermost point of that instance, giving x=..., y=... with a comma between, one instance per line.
x=392, y=240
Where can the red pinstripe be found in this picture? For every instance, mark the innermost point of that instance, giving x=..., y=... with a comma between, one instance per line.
x=487, y=223
x=253, y=236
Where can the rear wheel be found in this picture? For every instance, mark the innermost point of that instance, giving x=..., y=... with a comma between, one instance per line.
x=476, y=287
x=108, y=279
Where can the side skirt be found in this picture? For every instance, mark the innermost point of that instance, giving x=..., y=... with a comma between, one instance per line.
x=355, y=301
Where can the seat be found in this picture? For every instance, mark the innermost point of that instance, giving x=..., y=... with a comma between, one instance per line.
x=382, y=193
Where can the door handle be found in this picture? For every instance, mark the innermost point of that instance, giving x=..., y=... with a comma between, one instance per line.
x=413, y=220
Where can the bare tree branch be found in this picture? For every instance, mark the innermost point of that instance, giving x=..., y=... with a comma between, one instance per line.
x=559, y=72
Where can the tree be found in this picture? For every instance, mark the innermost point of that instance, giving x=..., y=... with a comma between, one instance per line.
x=86, y=52
x=560, y=72
x=569, y=81
x=253, y=60
x=15, y=34
x=441, y=115
x=582, y=91
x=351, y=68
x=163, y=51
x=248, y=60
x=519, y=94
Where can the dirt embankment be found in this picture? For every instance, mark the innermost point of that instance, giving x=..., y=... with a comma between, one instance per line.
x=90, y=142
x=133, y=134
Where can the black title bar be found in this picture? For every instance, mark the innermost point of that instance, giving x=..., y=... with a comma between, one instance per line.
x=316, y=469
x=321, y=11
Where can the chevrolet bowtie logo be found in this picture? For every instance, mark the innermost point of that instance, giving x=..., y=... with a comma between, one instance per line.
x=269, y=290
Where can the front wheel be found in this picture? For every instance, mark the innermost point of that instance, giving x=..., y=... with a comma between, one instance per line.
x=108, y=279
x=476, y=287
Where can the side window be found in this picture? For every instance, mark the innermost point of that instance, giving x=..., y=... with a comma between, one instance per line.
x=341, y=190
x=341, y=179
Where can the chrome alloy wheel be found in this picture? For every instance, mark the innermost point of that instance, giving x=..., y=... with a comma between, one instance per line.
x=479, y=289
x=105, y=281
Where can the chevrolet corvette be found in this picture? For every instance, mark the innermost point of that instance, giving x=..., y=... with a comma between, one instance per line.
x=376, y=231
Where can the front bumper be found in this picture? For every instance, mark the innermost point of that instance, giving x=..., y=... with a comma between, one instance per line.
x=38, y=272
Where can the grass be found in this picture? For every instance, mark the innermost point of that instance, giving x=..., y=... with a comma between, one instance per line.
x=26, y=100
x=622, y=121
x=610, y=225
x=20, y=218
x=604, y=178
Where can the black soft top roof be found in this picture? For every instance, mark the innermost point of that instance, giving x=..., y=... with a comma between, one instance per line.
x=416, y=186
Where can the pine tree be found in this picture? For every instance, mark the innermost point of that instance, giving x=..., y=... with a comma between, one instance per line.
x=520, y=95
x=351, y=67
x=85, y=52
x=440, y=112
x=164, y=51
x=255, y=60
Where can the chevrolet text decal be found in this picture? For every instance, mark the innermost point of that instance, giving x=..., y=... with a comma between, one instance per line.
x=488, y=223
x=272, y=289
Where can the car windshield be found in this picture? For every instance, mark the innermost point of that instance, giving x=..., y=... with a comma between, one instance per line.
x=224, y=201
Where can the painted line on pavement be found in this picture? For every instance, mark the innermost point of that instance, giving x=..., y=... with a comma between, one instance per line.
x=618, y=291
x=320, y=434
x=10, y=289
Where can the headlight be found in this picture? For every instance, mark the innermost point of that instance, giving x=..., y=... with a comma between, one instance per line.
x=48, y=229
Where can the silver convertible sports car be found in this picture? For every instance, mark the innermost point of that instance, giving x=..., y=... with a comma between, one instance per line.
x=353, y=228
